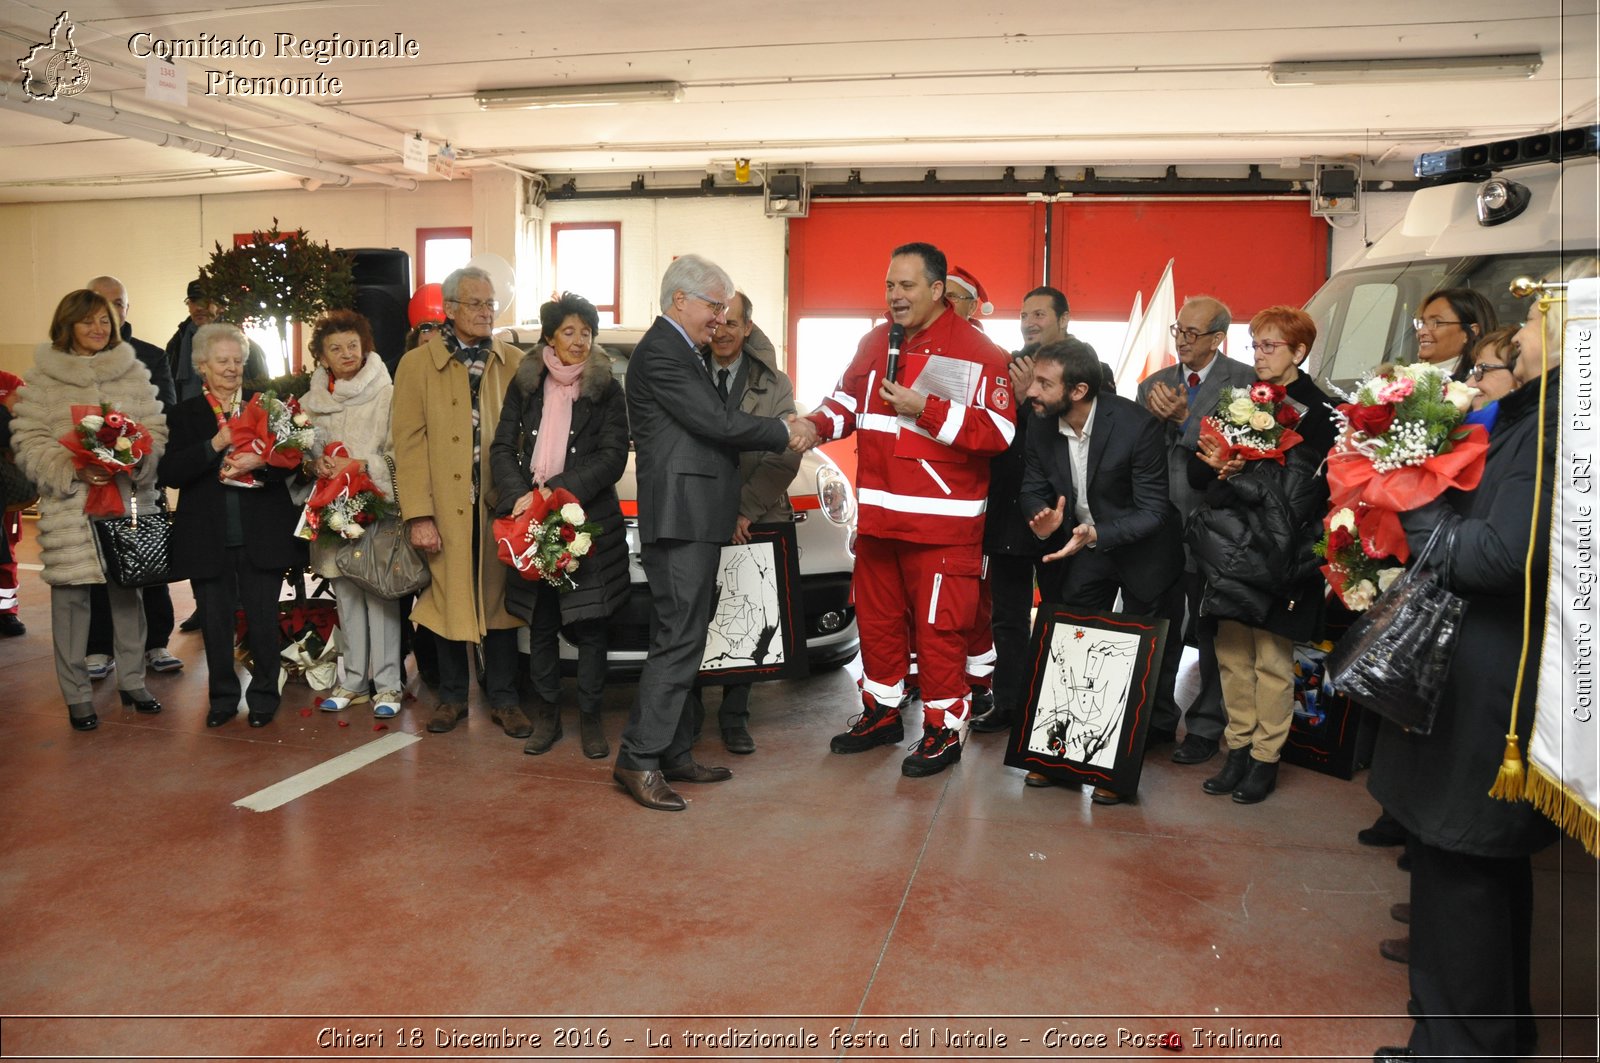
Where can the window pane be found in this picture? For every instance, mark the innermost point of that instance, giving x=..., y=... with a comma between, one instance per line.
x=443, y=255
x=265, y=336
x=586, y=263
x=823, y=349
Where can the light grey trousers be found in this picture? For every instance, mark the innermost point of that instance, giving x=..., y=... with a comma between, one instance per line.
x=369, y=628
x=69, y=628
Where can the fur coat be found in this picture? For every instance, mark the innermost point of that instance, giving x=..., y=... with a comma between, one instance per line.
x=355, y=413
x=57, y=382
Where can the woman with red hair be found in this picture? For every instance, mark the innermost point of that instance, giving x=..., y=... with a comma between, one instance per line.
x=1252, y=536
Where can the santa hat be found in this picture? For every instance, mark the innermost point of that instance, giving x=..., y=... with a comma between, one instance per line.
x=965, y=278
x=9, y=382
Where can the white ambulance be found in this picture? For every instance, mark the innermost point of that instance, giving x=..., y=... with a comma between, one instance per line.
x=1513, y=208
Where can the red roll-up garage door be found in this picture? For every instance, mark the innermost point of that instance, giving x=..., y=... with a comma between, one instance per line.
x=1249, y=253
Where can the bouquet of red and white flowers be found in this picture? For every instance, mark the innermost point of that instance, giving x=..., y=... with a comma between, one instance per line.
x=104, y=437
x=546, y=540
x=344, y=504
x=1402, y=443
x=1357, y=568
x=1253, y=423
x=274, y=428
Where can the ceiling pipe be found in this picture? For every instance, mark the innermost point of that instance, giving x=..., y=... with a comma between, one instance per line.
x=166, y=134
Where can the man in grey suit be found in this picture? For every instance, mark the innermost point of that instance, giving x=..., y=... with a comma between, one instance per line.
x=687, y=439
x=744, y=369
x=1181, y=395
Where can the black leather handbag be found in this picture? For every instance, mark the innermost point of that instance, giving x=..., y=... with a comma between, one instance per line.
x=1395, y=659
x=135, y=551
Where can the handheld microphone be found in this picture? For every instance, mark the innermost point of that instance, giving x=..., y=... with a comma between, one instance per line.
x=897, y=336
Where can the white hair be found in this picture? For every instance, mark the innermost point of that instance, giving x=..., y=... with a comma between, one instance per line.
x=694, y=275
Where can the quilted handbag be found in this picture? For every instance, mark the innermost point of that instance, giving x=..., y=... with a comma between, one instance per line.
x=383, y=561
x=1395, y=659
x=135, y=551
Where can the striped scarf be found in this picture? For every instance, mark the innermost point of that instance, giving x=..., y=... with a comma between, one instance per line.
x=475, y=358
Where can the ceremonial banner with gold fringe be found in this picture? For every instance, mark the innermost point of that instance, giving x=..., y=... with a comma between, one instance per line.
x=1564, y=753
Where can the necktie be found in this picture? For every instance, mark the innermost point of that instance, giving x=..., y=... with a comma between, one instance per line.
x=1194, y=381
x=722, y=383
x=1193, y=389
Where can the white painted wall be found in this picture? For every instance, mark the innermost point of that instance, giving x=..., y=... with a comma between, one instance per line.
x=732, y=232
x=1379, y=211
x=156, y=246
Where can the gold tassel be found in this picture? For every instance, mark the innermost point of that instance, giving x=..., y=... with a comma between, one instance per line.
x=1508, y=782
x=1564, y=807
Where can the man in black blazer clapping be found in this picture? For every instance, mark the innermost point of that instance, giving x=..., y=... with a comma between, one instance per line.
x=687, y=441
x=1097, y=488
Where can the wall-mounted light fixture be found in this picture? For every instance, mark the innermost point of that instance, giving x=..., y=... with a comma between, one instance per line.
x=1432, y=68
x=600, y=95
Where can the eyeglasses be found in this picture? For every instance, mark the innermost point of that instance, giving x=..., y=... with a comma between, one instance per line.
x=1477, y=372
x=1269, y=347
x=473, y=306
x=1189, y=335
x=716, y=308
x=1431, y=324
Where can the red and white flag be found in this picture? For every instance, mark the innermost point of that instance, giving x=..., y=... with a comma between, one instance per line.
x=1152, y=346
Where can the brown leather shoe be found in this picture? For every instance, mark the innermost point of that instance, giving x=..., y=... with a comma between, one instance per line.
x=1037, y=778
x=513, y=720
x=446, y=715
x=650, y=789
x=1396, y=949
x=1102, y=796
x=1401, y=912
x=694, y=771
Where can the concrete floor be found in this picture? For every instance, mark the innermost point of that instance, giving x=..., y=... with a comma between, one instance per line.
x=456, y=888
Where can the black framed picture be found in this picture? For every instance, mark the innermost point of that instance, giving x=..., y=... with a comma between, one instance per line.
x=757, y=629
x=1091, y=689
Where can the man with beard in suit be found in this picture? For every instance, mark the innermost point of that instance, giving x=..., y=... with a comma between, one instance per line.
x=1095, y=482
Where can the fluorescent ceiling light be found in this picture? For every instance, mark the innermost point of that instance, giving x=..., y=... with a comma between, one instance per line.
x=1433, y=68
x=602, y=95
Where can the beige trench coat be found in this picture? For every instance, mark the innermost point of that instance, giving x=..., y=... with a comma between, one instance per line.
x=432, y=424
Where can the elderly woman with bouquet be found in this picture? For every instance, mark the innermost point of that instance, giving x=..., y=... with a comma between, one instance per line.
x=348, y=402
x=1252, y=535
x=564, y=427
x=232, y=541
x=87, y=430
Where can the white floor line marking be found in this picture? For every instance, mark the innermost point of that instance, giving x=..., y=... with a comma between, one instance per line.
x=282, y=793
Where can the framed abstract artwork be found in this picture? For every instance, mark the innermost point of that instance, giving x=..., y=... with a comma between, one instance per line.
x=757, y=628
x=1091, y=688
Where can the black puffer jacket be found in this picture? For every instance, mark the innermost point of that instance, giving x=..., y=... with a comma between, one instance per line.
x=597, y=455
x=1252, y=534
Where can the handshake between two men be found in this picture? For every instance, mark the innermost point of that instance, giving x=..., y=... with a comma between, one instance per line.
x=803, y=433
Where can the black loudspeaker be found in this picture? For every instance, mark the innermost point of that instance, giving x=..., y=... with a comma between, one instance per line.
x=383, y=297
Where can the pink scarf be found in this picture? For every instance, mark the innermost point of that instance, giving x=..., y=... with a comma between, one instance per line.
x=560, y=392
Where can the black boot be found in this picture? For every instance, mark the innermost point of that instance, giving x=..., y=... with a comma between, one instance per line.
x=593, y=734
x=1258, y=783
x=1233, y=770
x=546, y=728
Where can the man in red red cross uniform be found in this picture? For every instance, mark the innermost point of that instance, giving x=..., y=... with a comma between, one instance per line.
x=923, y=442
